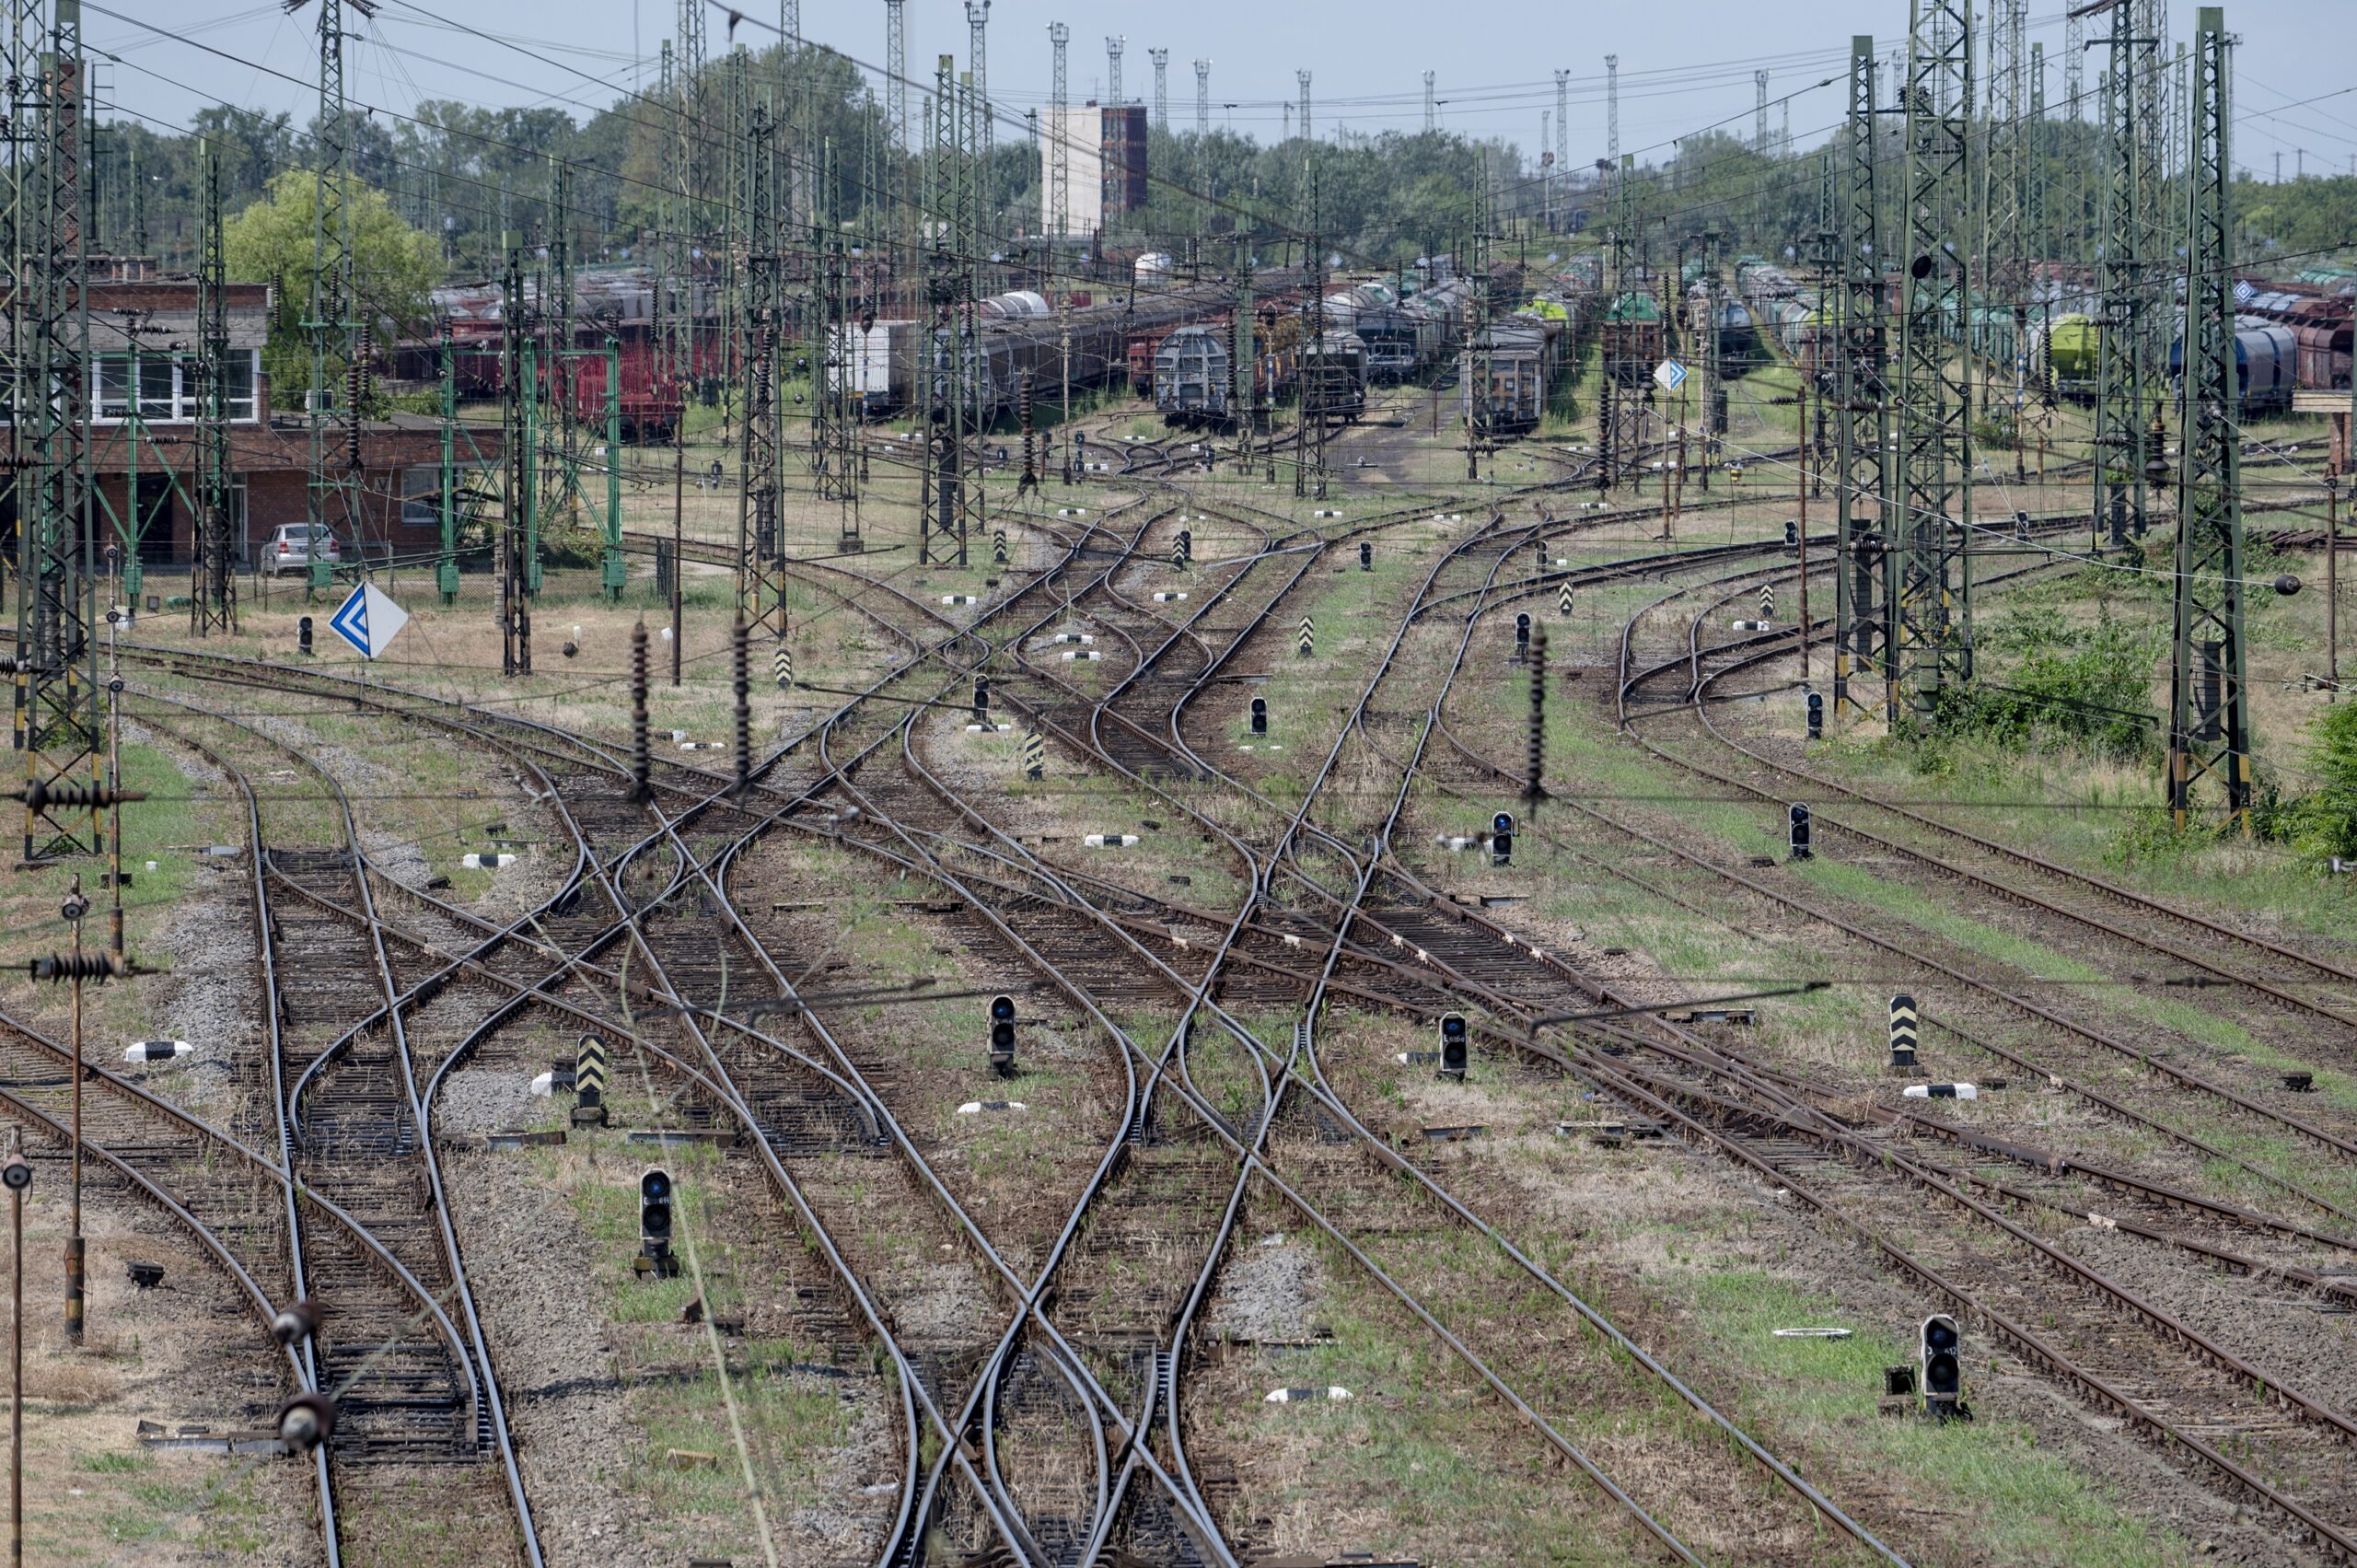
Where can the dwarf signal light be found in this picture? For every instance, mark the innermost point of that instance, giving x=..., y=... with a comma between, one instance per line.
x=1942, y=1352
x=1799, y=831
x=1502, y=839
x=1454, y=1049
x=1002, y=1036
x=655, y=1195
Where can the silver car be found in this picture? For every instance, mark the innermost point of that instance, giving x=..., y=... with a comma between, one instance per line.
x=288, y=549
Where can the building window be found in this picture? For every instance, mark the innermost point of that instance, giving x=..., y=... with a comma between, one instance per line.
x=238, y=394
x=421, y=496
x=158, y=388
x=171, y=387
x=112, y=376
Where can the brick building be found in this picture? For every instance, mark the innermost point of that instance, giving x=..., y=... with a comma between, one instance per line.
x=140, y=318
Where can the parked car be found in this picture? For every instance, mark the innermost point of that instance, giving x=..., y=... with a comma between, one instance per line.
x=288, y=549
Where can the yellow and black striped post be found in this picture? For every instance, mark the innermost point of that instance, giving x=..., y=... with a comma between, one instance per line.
x=1767, y=601
x=784, y=663
x=998, y=545
x=1563, y=600
x=1906, y=1032
x=1035, y=755
x=1309, y=637
x=589, y=1080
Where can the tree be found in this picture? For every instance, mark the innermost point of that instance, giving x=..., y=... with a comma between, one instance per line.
x=394, y=267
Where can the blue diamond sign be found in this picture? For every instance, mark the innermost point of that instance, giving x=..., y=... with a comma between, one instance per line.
x=1669, y=375
x=369, y=620
x=2243, y=292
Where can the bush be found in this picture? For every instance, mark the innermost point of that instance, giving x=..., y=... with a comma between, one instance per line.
x=2326, y=818
x=2084, y=685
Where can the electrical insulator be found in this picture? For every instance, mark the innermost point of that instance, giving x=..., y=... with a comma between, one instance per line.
x=59, y=967
x=45, y=796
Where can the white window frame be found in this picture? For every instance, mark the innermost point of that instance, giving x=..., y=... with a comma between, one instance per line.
x=186, y=400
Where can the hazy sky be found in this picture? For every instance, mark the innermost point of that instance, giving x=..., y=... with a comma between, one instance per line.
x=1685, y=65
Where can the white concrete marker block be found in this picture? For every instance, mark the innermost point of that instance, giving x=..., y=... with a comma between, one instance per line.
x=151, y=1052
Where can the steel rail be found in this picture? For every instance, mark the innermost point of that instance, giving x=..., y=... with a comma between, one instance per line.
x=1216, y=1113
x=1615, y=1077
x=482, y=1381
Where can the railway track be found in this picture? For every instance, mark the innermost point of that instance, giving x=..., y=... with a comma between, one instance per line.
x=2131, y=1355
x=1147, y=646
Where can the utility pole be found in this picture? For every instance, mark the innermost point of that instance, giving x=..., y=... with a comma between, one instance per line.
x=1161, y=58
x=1303, y=77
x=679, y=291
x=1202, y=98
x=2209, y=709
x=334, y=422
x=760, y=548
x=557, y=332
x=1482, y=388
x=2120, y=369
x=1114, y=46
x=446, y=560
x=2000, y=238
x=1934, y=638
x=1563, y=125
x=1612, y=111
x=1705, y=315
x=213, y=591
x=1316, y=363
x=1861, y=637
x=978, y=15
x=1429, y=120
x=519, y=445
x=1059, y=157
x=895, y=70
x=57, y=684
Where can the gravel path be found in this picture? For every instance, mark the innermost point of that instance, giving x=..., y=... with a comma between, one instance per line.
x=527, y=1253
